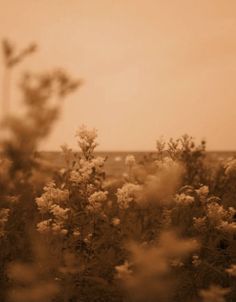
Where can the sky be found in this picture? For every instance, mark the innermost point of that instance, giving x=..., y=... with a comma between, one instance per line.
x=150, y=68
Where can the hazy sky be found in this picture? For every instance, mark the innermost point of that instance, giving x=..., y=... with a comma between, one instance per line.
x=150, y=68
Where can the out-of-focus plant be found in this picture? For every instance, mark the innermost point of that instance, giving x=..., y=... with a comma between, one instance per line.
x=192, y=156
x=27, y=131
x=42, y=96
x=83, y=227
x=32, y=280
x=147, y=274
x=11, y=58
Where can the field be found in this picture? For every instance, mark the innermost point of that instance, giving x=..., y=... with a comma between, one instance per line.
x=93, y=226
x=114, y=165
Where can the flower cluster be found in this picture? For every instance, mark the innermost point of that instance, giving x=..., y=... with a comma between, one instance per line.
x=230, y=167
x=217, y=217
x=84, y=170
x=184, y=199
x=231, y=270
x=196, y=261
x=165, y=163
x=128, y=193
x=96, y=200
x=203, y=192
x=216, y=213
x=50, y=204
x=130, y=161
x=87, y=140
x=123, y=271
x=51, y=196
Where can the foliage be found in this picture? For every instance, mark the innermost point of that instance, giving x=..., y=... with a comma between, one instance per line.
x=166, y=233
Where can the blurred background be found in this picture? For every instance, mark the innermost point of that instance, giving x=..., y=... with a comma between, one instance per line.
x=150, y=68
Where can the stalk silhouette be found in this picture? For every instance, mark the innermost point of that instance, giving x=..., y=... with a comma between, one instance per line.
x=11, y=59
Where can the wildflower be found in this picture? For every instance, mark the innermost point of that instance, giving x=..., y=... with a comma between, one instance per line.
x=86, y=140
x=123, y=271
x=76, y=233
x=118, y=159
x=97, y=164
x=64, y=232
x=176, y=263
x=75, y=177
x=231, y=270
x=195, y=260
x=130, y=161
x=84, y=133
x=231, y=212
x=84, y=172
x=183, y=199
x=230, y=167
x=214, y=294
x=166, y=163
x=88, y=238
x=44, y=226
x=44, y=204
x=51, y=195
x=216, y=213
x=128, y=193
x=96, y=200
x=115, y=221
x=203, y=192
x=59, y=213
x=60, y=216
x=229, y=227
x=12, y=199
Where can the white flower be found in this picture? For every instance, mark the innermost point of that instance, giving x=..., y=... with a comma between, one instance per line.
x=195, y=260
x=128, y=193
x=184, y=199
x=231, y=270
x=88, y=238
x=230, y=167
x=76, y=233
x=64, y=232
x=44, y=226
x=51, y=195
x=86, y=139
x=115, y=221
x=99, y=196
x=216, y=213
x=59, y=213
x=229, y=227
x=176, y=263
x=96, y=200
x=203, y=192
x=166, y=163
x=44, y=204
x=130, y=160
x=123, y=271
x=98, y=162
x=84, y=133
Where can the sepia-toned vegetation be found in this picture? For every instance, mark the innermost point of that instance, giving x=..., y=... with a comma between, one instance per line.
x=165, y=230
